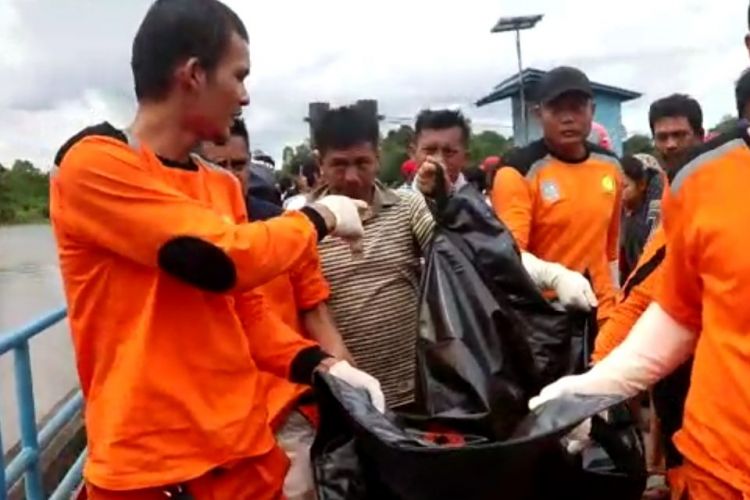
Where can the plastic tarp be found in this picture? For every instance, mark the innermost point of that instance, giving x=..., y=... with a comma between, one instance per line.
x=361, y=454
x=487, y=341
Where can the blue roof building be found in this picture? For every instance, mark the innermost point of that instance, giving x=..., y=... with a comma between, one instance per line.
x=608, y=100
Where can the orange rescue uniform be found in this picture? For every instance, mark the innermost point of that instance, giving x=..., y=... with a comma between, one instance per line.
x=168, y=362
x=244, y=480
x=634, y=298
x=303, y=288
x=706, y=287
x=564, y=212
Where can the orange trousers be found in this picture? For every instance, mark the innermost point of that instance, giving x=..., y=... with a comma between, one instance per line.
x=689, y=482
x=257, y=478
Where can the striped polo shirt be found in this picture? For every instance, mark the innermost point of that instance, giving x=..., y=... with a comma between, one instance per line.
x=375, y=295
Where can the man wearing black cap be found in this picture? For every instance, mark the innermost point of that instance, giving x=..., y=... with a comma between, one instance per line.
x=560, y=195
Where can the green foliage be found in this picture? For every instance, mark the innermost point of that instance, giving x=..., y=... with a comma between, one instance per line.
x=727, y=123
x=488, y=143
x=24, y=193
x=394, y=151
x=638, y=143
x=294, y=157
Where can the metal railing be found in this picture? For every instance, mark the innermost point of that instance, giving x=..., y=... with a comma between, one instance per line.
x=26, y=463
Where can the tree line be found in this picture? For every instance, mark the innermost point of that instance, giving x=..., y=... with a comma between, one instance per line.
x=24, y=193
x=24, y=189
x=394, y=151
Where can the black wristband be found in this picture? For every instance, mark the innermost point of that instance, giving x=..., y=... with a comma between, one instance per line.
x=305, y=363
x=318, y=221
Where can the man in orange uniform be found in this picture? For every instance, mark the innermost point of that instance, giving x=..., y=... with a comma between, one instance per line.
x=677, y=125
x=668, y=396
x=160, y=265
x=636, y=295
x=700, y=307
x=560, y=196
x=298, y=298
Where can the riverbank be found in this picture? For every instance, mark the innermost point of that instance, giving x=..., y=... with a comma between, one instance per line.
x=31, y=219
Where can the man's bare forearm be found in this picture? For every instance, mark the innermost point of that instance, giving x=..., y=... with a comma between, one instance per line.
x=320, y=326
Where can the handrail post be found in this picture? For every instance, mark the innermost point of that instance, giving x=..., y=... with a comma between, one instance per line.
x=27, y=463
x=27, y=414
x=3, y=485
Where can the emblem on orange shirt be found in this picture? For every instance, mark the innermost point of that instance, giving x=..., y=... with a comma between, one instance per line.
x=608, y=183
x=550, y=191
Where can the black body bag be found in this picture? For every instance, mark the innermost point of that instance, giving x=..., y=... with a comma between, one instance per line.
x=488, y=340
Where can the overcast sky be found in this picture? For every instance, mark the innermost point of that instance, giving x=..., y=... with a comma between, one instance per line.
x=64, y=64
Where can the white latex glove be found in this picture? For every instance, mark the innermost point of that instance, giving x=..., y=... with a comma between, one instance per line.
x=348, y=216
x=572, y=289
x=579, y=438
x=655, y=346
x=358, y=378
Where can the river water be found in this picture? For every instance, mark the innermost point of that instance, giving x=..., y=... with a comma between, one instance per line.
x=30, y=286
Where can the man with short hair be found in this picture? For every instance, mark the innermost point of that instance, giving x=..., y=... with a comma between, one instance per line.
x=232, y=154
x=375, y=298
x=160, y=268
x=258, y=184
x=443, y=136
x=298, y=298
x=560, y=196
x=700, y=308
x=677, y=126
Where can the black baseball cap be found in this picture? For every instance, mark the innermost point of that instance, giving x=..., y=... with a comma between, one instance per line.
x=562, y=80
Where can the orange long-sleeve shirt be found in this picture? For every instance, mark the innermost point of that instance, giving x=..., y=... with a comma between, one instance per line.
x=289, y=295
x=159, y=271
x=706, y=287
x=636, y=295
x=564, y=212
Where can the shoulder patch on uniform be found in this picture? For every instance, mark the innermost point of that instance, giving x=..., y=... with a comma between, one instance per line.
x=104, y=129
x=526, y=160
x=604, y=154
x=704, y=153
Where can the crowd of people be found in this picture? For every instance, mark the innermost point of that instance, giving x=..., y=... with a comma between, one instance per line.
x=202, y=300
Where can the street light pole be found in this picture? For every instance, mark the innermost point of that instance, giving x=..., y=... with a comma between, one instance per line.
x=518, y=24
x=522, y=88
